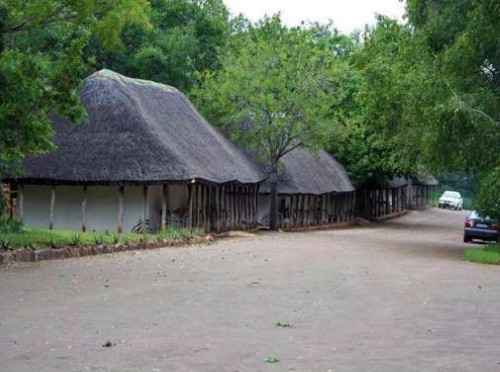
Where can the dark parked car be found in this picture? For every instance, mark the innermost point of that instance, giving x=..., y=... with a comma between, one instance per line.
x=481, y=228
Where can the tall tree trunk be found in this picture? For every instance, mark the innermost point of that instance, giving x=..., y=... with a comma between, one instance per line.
x=273, y=205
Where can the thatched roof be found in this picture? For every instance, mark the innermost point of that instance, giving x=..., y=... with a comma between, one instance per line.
x=397, y=182
x=425, y=180
x=139, y=131
x=314, y=174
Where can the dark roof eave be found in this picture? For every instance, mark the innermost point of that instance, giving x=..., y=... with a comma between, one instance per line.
x=307, y=194
x=56, y=182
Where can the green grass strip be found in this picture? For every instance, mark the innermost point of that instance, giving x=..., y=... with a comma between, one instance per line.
x=489, y=255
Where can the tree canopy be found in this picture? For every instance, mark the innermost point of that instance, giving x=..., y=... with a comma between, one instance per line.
x=185, y=38
x=39, y=78
x=273, y=92
x=462, y=37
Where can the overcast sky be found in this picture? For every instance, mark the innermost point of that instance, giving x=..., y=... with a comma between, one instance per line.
x=347, y=15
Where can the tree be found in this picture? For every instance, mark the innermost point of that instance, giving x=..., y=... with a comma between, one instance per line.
x=41, y=64
x=462, y=38
x=184, y=38
x=389, y=82
x=488, y=198
x=272, y=93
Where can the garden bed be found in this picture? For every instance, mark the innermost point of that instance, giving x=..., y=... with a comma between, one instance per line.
x=39, y=245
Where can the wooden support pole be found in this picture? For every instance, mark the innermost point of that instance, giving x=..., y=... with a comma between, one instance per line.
x=164, y=206
x=249, y=201
x=256, y=201
x=208, y=209
x=190, y=207
x=144, y=209
x=52, y=207
x=121, y=192
x=349, y=206
x=20, y=201
x=247, y=207
x=254, y=197
x=234, y=197
x=301, y=210
x=11, y=201
x=307, y=209
x=203, y=206
x=197, y=192
x=327, y=208
x=224, y=207
x=239, y=197
x=229, y=203
x=84, y=209
x=229, y=207
x=218, y=197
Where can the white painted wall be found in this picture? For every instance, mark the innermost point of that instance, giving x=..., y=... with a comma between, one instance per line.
x=102, y=206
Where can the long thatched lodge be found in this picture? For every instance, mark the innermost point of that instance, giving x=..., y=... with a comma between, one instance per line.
x=144, y=157
x=313, y=189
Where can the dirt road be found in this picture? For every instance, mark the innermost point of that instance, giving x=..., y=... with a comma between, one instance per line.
x=388, y=297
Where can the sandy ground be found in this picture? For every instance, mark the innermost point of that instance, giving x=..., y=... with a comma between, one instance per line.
x=388, y=297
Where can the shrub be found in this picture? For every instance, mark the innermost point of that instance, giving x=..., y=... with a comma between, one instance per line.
x=115, y=239
x=75, y=240
x=54, y=242
x=98, y=239
x=10, y=224
x=5, y=243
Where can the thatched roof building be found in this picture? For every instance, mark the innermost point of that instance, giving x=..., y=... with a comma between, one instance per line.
x=149, y=139
x=425, y=180
x=138, y=132
x=313, y=188
x=310, y=174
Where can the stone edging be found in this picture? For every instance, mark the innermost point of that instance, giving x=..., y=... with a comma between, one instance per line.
x=35, y=255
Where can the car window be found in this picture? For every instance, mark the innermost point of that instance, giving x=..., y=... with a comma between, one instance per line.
x=451, y=194
x=477, y=215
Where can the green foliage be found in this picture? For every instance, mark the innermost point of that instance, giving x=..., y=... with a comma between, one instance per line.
x=75, y=240
x=18, y=238
x=178, y=234
x=390, y=80
x=184, y=38
x=462, y=39
x=10, y=224
x=273, y=92
x=282, y=324
x=429, y=92
x=42, y=65
x=489, y=255
x=55, y=242
x=5, y=243
x=45, y=238
x=99, y=239
x=488, y=197
x=272, y=359
x=4, y=202
x=274, y=83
